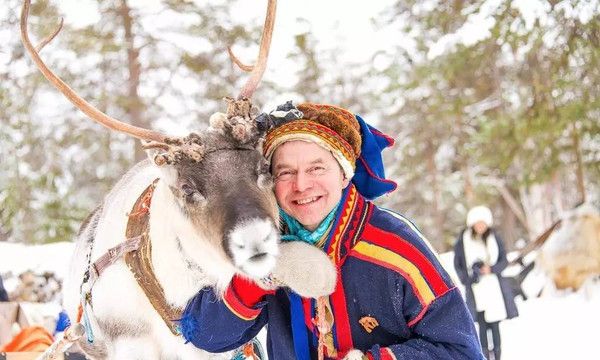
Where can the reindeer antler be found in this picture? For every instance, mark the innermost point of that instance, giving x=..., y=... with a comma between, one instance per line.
x=176, y=149
x=238, y=62
x=261, y=64
x=78, y=101
x=240, y=116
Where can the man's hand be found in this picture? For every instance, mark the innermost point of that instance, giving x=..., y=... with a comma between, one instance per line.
x=304, y=268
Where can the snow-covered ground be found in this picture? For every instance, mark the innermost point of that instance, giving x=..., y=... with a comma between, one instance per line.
x=561, y=325
x=15, y=259
x=557, y=325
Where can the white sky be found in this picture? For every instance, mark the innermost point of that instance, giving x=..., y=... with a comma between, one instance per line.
x=332, y=21
x=339, y=24
x=345, y=24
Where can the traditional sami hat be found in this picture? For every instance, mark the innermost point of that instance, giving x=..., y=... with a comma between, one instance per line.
x=354, y=144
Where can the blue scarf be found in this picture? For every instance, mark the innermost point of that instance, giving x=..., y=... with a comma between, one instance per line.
x=297, y=232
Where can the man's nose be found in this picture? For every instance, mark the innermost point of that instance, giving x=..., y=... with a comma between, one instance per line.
x=302, y=182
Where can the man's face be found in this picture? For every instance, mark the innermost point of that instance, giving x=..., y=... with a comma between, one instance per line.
x=308, y=181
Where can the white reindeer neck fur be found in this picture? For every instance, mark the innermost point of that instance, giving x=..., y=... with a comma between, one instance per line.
x=179, y=282
x=183, y=261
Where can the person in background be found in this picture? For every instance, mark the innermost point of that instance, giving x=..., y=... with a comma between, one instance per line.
x=393, y=299
x=479, y=259
x=3, y=293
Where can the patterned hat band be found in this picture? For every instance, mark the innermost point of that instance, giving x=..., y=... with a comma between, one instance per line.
x=310, y=131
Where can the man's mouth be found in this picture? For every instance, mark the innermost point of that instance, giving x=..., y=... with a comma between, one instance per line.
x=306, y=201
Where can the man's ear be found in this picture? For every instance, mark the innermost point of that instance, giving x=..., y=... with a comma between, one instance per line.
x=345, y=182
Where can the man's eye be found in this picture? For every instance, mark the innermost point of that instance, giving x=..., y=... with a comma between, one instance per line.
x=284, y=175
x=316, y=170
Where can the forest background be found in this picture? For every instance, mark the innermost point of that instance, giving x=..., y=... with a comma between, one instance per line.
x=492, y=102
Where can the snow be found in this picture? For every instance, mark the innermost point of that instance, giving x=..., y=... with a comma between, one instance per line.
x=557, y=325
x=17, y=258
x=476, y=28
x=478, y=24
x=350, y=28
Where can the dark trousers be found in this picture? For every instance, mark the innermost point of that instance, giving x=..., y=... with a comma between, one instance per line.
x=484, y=329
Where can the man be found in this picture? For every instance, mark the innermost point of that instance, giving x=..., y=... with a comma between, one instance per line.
x=392, y=299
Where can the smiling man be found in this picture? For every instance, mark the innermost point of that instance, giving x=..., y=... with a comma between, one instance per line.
x=392, y=299
x=308, y=182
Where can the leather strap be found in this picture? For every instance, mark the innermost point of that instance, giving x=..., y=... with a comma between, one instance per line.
x=140, y=261
x=111, y=256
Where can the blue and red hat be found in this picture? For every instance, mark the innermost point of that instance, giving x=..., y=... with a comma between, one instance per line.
x=356, y=145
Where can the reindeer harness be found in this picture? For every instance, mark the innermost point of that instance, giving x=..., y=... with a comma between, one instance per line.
x=137, y=253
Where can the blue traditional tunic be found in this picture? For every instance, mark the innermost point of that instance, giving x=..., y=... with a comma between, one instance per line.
x=393, y=299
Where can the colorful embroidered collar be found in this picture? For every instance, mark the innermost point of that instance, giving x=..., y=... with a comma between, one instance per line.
x=347, y=224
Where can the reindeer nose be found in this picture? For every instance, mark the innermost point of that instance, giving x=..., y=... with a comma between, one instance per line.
x=259, y=257
x=254, y=246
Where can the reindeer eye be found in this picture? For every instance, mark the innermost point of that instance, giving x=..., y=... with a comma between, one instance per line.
x=188, y=190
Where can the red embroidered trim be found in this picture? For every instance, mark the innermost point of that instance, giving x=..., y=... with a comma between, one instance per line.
x=237, y=307
x=402, y=247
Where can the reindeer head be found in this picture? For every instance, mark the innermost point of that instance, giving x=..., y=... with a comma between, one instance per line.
x=222, y=188
x=218, y=180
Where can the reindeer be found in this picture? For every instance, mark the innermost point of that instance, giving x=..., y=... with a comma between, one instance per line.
x=199, y=210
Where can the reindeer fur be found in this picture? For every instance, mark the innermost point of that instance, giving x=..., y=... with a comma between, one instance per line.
x=191, y=246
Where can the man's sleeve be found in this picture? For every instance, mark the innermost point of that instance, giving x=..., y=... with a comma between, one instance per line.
x=218, y=325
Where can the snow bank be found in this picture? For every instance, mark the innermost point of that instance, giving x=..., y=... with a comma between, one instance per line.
x=559, y=325
x=16, y=259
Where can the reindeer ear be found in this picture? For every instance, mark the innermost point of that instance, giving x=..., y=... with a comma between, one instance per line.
x=168, y=174
x=158, y=157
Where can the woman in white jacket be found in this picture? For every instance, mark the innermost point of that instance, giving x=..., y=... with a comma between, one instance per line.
x=479, y=259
